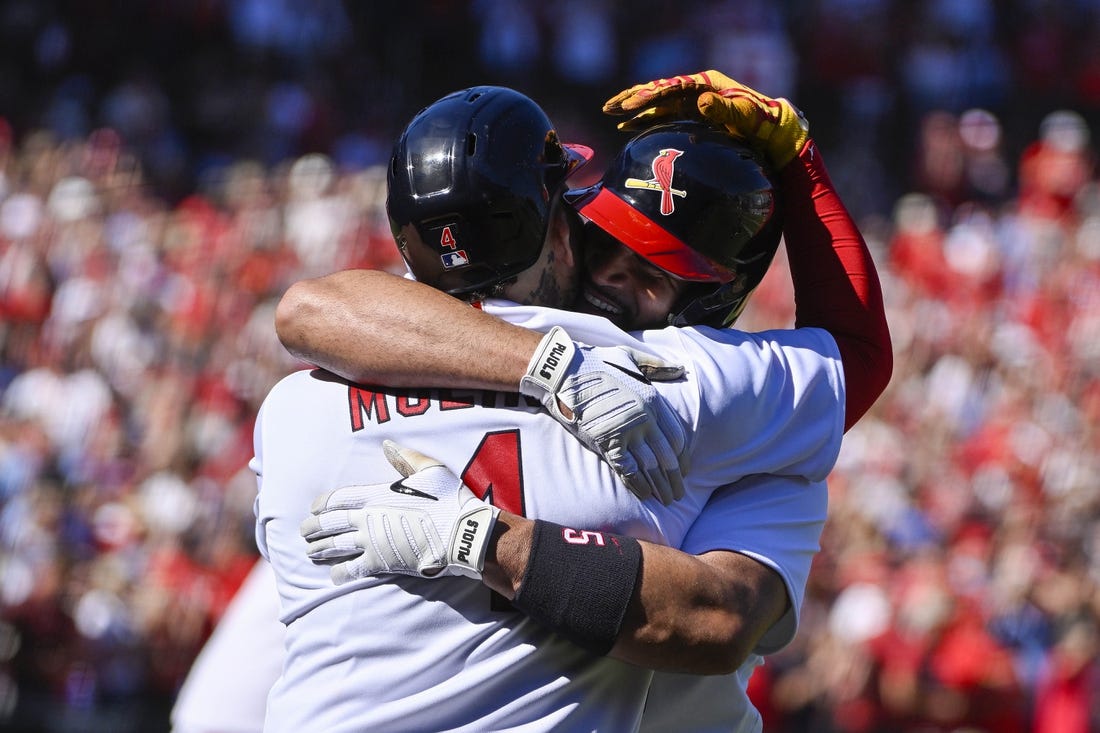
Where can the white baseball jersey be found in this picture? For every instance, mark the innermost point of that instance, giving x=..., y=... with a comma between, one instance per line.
x=432, y=655
x=777, y=521
x=226, y=688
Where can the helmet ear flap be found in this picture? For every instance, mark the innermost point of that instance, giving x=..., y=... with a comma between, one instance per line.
x=718, y=308
x=723, y=306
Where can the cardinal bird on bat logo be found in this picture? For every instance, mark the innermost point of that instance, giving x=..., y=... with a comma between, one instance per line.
x=662, y=165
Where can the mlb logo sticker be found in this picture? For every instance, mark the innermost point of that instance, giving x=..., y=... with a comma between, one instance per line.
x=452, y=260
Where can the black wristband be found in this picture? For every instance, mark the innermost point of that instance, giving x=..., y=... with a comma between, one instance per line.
x=579, y=583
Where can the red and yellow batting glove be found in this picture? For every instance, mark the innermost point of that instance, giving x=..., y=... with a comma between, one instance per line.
x=774, y=126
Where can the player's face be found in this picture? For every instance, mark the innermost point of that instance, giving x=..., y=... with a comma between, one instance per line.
x=623, y=287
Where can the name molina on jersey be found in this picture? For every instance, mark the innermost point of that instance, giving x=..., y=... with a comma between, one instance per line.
x=382, y=404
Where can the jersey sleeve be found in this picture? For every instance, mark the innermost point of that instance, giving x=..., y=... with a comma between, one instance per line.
x=835, y=281
x=776, y=521
x=227, y=686
x=769, y=402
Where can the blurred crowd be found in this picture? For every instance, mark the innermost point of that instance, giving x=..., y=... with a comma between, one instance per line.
x=958, y=588
x=194, y=84
x=137, y=344
x=160, y=189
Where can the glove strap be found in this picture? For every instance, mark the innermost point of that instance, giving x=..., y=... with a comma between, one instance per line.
x=549, y=365
x=471, y=540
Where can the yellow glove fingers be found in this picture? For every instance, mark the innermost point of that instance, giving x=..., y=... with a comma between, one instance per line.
x=613, y=106
x=642, y=95
x=773, y=126
x=657, y=90
x=645, y=118
x=764, y=107
x=743, y=114
x=673, y=109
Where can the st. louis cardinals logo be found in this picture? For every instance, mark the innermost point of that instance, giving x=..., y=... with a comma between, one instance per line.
x=662, y=166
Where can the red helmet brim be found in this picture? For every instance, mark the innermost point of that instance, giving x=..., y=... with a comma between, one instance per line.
x=644, y=236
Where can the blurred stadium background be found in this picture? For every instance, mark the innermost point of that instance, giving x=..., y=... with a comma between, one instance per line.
x=168, y=168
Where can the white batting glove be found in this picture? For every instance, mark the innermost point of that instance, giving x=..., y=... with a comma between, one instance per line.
x=604, y=397
x=427, y=524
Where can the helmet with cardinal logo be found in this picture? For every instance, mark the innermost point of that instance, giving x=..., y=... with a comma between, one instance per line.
x=697, y=204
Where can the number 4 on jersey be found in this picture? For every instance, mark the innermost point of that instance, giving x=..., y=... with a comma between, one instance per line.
x=495, y=472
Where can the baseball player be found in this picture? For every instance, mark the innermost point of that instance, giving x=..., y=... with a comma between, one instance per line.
x=525, y=195
x=866, y=342
x=732, y=707
x=435, y=654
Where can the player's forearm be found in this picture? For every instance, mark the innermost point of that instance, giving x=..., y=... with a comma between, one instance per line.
x=693, y=614
x=699, y=614
x=835, y=281
x=375, y=327
x=506, y=557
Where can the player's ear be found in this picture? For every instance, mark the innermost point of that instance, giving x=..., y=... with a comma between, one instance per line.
x=563, y=235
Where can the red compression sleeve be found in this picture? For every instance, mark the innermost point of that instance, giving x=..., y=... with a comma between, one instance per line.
x=835, y=282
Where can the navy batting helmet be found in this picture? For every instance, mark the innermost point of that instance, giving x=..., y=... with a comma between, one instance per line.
x=471, y=181
x=697, y=204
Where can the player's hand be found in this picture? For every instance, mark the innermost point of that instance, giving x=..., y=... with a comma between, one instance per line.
x=604, y=397
x=773, y=126
x=427, y=524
